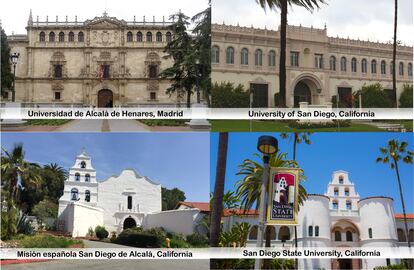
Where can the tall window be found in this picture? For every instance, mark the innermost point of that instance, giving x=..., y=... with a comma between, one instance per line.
x=83, y=164
x=152, y=71
x=81, y=37
x=374, y=66
x=349, y=236
x=383, y=67
x=71, y=37
x=354, y=65
x=87, y=196
x=391, y=67
x=139, y=37
x=57, y=71
x=87, y=177
x=335, y=205
x=370, y=233
x=310, y=231
x=284, y=234
x=77, y=177
x=258, y=57
x=319, y=61
x=244, y=56
x=401, y=69
x=272, y=58
x=61, y=37
x=341, y=179
x=336, y=191
x=74, y=194
x=230, y=55
x=215, y=54
x=153, y=96
x=168, y=36
x=364, y=67
x=338, y=236
x=129, y=37
x=42, y=37
x=51, y=37
x=294, y=59
x=401, y=235
x=105, y=71
x=343, y=63
x=149, y=37
x=159, y=37
x=332, y=63
x=348, y=205
x=253, y=233
x=410, y=69
x=316, y=230
x=346, y=191
x=57, y=95
x=129, y=202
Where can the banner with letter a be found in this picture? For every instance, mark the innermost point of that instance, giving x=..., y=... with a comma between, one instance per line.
x=283, y=186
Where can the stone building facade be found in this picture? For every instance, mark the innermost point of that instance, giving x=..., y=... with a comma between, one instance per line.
x=338, y=218
x=100, y=62
x=318, y=66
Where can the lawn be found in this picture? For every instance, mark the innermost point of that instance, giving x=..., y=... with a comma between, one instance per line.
x=278, y=126
x=47, y=122
x=408, y=124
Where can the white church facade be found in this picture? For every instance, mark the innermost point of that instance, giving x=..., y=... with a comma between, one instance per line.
x=338, y=218
x=119, y=202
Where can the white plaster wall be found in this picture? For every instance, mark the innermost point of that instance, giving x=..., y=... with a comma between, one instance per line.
x=378, y=214
x=178, y=221
x=314, y=212
x=83, y=218
x=113, y=193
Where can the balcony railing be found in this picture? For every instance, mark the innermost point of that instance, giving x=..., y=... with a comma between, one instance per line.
x=341, y=213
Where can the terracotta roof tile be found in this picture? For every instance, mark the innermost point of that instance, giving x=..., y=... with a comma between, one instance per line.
x=401, y=216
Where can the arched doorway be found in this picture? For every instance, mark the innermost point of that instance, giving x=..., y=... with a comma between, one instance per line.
x=129, y=222
x=105, y=98
x=302, y=93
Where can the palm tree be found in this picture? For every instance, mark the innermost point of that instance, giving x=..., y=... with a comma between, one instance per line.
x=248, y=188
x=394, y=51
x=393, y=153
x=298, y=137
x=18, y=173
x=217, y=206
x=283, y=6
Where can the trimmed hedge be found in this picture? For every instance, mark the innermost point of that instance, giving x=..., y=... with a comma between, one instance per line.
x=226, y=95
x=101, y=232
x=137, y=238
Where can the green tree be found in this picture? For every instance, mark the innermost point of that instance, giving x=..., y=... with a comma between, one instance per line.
x=217, y=207
x=406, y=97
x=226, y=95
x=202, y=44
x=45, y=209
x=393, y=153
x=6, y=73
x=184, y=73
x=283, y=6
x=54, y=177
x=373, y=96
x=171, y=197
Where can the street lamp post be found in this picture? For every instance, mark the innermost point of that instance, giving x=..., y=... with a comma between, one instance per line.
x=14, y=57
x=267, y=145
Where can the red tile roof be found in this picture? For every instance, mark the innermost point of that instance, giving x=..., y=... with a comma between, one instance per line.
x=401, y=216
x=203, y=206
x=240, y=212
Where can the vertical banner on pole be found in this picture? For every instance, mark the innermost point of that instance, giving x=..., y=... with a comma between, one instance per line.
x=283, y=196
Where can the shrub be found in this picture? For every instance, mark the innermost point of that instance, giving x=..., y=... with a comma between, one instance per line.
x=113, y=237
x=158, y=231
x=374, y=96
x=197, y=240
x=91, y=232
x=23, y=225
x=136, y=238
x=225, y=95
x=48, y=241
x=101, y=232
x=406, y=98
x=178, y=241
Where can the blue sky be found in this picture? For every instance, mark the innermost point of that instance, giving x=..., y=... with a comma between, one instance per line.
x=171, y=159
x=352, y=152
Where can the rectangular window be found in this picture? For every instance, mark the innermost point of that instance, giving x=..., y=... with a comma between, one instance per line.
x=319, y=61
x=57, y=71
x=153, y=96
x=294, y=59
x=57, y=96
x=348, y=206
x=129, y=202
x=153, y=71
x=335, y=205
x=105, y=71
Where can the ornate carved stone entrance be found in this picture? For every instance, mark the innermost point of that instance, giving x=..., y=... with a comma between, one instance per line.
x=105, y=98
